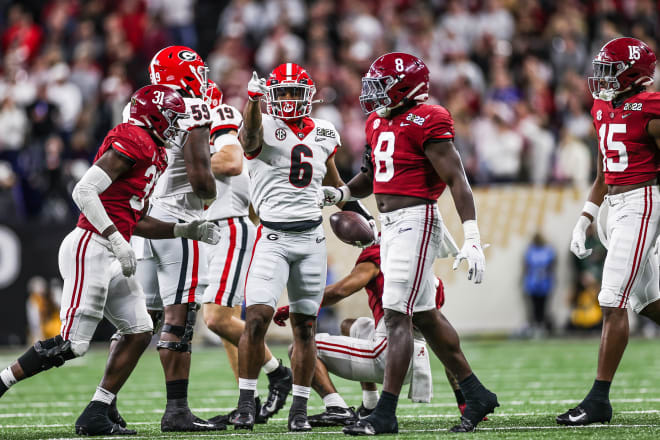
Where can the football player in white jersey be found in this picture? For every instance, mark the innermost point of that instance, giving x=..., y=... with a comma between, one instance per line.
x=170, y=271
x=290, y=155
x=228, y=261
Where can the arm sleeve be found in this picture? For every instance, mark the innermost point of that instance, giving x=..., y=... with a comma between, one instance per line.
x=86, y=197
x=370, y=254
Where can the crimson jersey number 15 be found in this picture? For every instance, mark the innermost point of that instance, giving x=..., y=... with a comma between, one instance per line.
x=605, y=134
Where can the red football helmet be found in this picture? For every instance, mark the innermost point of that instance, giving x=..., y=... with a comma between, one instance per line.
x=290, y=92
x=158, y=108
x=393, y=80
x=213, y=95
x=621, y=64
x=180, y=66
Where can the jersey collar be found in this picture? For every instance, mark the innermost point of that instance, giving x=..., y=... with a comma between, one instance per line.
x=301, y=133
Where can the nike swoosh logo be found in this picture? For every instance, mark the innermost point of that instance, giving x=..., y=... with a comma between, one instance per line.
x=318, y=139
x=207, y=425
x=576, y=419
x=626, y=115
x=320, y=239
x=271, y=406
x=402, y=230
x=404, y=124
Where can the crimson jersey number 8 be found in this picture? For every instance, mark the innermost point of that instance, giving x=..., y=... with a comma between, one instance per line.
x=384, y=169
x=605, y=134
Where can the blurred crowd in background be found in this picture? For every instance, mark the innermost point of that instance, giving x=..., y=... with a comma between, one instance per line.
x=512, y=73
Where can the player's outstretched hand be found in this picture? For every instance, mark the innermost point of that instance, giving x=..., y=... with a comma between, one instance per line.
x=329, y=195
x=124, y=253
x=281, y=316
x=474, y=254
x=579, y=238
x=256, y=87
x=199, y=230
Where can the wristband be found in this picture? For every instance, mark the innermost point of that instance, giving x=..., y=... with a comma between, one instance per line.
x=590, y=208
x=471, y=230
x=345, y=193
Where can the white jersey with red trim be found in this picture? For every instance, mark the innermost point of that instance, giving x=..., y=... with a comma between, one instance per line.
x=173, y=191
x=233, y=191
x=287, y=171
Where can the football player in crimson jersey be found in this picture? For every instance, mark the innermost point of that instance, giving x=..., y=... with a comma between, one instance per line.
x=627, y=120
x=290, y=155
x=228, y=260
x=359, y=354
x=413, y=159
x=96, y=261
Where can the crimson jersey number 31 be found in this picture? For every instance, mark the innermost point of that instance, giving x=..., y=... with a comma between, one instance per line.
x=605, y=135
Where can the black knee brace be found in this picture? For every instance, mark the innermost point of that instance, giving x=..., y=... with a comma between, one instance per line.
x=44, y=355
x=183, y=332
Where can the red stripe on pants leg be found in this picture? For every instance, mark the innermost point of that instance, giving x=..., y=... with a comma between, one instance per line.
x=75, y=284
x=80, y=286
x=348, y=347
x=425, y=248
x=230, y=256
x=195, y=272
x=648, y=204
x=420, y=263
x=256, y=240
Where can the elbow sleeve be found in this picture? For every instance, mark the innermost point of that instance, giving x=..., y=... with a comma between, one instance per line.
x=86, y=197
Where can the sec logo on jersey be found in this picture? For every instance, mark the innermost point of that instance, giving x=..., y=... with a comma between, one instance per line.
x=280, y=134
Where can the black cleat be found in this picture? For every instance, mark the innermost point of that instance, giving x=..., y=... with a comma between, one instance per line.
x=279, y=387
x=299, y=423
x=475, y=411
x=228, y=419
x=183, y=420
x=366, y=427
x=113, y=414
x=94, y=420
x=363, y=412
x=243, y=420
x=334, y=416
x=587, y=412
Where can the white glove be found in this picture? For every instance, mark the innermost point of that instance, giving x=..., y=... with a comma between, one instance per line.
x=199, y=230
x=256, y=87
x=374, y=228
x=472, y=252
x=330, y=195
x=124, y=253
x=579, y=238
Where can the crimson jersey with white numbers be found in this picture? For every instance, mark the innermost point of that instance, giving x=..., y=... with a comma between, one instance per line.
x=397, y=150
x=630, y=155
x=124, y=199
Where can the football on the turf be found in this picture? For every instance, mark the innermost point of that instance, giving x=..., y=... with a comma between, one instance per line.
x=351, y=228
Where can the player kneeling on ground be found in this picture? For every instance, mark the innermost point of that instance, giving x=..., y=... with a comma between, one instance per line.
x=96, y=261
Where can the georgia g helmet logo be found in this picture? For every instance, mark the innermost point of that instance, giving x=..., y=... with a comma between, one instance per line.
x=187, y=55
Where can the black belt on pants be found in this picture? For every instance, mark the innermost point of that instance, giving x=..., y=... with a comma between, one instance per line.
x=299, y=226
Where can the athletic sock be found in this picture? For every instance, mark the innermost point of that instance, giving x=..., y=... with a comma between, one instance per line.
x=386, y=406
x=177, y=393
x=471, y=387
x=600, y=391
x=104, y=396
x=334, y=399
x=300, y=396
x=7, y=379
x=369, y=399
x=271, y=365
x=247, y=389
x=460, y=398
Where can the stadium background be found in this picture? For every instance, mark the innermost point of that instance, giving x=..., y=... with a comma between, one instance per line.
x=513, y=74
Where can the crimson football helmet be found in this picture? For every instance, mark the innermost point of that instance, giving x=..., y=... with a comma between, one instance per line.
x=621, y=64
x=290, y=92
x=213, y=95
x=158, y=108
x=392, y=80
x=182, y=67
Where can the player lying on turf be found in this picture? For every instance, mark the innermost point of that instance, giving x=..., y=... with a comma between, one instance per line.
x=228, y=260
x=359, y=354
x=96, y=261
x=413, y=160
x=290, y=155
x=627, y=120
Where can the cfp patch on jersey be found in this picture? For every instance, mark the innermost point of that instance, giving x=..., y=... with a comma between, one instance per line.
x=325, y=132
x=187, y=55
x=280, y=134
x=633, y=106
x=415, y=119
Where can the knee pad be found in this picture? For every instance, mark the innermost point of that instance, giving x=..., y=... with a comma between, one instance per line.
x=185, y=332
x=47, y=354
x=115, y=336
x=308, y=307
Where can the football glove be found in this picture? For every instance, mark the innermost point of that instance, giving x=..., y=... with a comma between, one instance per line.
x=124, y=253
x=281, y=316
x=331, y=195
x=199, y=230
x=472, y=252
x=256, y=87
x=579, y=238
